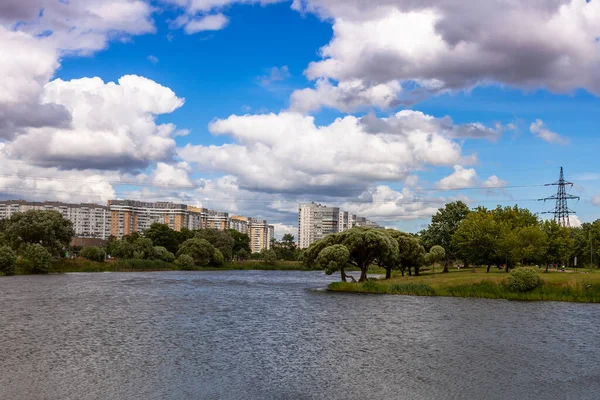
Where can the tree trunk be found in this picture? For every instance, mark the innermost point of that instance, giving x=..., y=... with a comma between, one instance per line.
x=388, y=272
x=417, y=271
x=547, y=265
x=363, y=273
x=488, y=268
x=445, y=271
x=409, y=271
x=343, y=275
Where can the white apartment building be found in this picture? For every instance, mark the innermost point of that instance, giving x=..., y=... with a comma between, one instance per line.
x=89, y=220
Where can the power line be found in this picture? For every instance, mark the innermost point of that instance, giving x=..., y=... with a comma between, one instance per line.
x=561, y=210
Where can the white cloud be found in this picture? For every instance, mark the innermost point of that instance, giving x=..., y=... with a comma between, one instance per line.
x=539, y=130
x=461, y=178
x=153, y=59
x=596, y=200
x=275, y=74
x=287, y=152
x=214, y=22
x=112, y=125
x=283, y=229
x=493, y=182
x=441, y=45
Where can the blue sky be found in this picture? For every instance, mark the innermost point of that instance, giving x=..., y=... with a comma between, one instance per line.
x=260, y=61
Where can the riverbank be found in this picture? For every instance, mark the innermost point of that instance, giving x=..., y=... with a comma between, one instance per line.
x=83, y=265
x=582, y=286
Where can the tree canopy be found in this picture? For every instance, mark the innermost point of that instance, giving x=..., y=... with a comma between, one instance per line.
x=47, y=228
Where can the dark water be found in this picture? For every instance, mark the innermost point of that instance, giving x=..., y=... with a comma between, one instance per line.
x=267, y=335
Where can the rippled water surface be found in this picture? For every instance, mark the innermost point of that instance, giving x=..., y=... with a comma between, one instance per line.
x=271, y=335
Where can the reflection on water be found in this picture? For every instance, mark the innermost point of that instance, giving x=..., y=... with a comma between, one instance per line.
x=270, y=335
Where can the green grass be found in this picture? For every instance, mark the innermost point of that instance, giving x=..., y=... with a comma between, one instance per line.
x=83, y=265
x=583, y=286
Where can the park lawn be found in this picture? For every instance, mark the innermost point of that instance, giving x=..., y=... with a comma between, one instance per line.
x=581, y=286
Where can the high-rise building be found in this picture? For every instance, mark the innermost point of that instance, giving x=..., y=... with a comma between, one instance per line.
x=260, y=234
x=217, y=220
x=197, y=218
x=128, y=216
x=239, y=223
x=89, y=220
x=316, y=221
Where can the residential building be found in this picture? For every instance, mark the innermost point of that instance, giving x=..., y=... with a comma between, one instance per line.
x=260, y=234
x=239, y=223
x=89, y=220
x=128, y=216
x=217, y=220
x=271, y=235
x=316, y=221
x=197, y=218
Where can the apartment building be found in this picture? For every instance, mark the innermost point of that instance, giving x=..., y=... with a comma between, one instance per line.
x=217, y=220
x=315, y=221
x=239, y=223
x=89, y=220
x=260, y=234
x=128, y=216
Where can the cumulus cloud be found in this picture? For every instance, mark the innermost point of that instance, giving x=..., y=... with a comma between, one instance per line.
x=463, y=178
x=112, y=125
x=193, y=25
x=539, y=130
x=288, y=152
x=442, y=45
x=494, y=182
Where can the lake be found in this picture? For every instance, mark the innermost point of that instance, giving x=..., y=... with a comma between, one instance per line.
x=276, y=335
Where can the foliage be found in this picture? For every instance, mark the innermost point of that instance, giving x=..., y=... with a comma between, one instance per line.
x=143, y=248
x=523, y=280
x=162, y=235
x=333, y=258
x=217, y=258
x=38, y=259
x=241, y=244
x=185, y=262
x=161, y=253
x=220, y=240
x=93, y=253
x=269, y=256
x=559, y=242
x=121, y=249
x=8, y=260
x=286, y=248
x=476, y=238
x=200, y=250
x=436, y=254
x=243, y=255
x=47, y=228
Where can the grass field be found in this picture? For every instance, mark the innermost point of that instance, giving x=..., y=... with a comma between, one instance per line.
x=573, y=286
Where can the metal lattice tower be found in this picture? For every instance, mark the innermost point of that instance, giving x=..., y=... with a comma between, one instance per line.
x=561, y=211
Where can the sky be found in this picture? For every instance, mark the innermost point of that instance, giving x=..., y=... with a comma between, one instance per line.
x=384, y=108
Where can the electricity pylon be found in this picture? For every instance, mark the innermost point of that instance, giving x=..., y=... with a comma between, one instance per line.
x=561, y=211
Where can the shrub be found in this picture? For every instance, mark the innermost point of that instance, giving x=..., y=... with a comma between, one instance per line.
x=92, y=253
x=217, y=259
x=161, y=253
x=38, y=259
x=523, y=280
x=185, y=262
x=8, y=260
x=269, y=257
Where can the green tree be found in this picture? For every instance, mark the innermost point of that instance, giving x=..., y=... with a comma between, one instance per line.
x=185, y=262
x=219, y=240
x=8, y=260
x=47, y=228
x=38, y=258
x=241, y=244
x=286, y=249
x=161, y=253
x=93, y=253
x=559, y=244
x=217, y=258
x=476, y=238
x=443, y=225
x=334, y=258
x=143, y=248
x=269, y=256
x=122, y=249
x=200, y=250
x=162, y=235
x=436, y=254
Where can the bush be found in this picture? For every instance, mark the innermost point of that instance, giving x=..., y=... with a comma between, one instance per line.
x=92, y=253
x=8, y=260
x=161, y=253
x=185, y=262
x=269, y=257
x=523, y=280
x=38, y=259
x=218, y=259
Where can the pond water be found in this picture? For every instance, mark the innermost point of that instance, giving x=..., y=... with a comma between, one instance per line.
x=274, y=335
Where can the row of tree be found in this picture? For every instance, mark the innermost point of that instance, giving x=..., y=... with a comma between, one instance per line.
x=504, y=236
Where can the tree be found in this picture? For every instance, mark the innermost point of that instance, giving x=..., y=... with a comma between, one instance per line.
x=436, y=254
x=185, y=262
x=241, y=244
x=217, y=258
x=93, y=253
x=219, y=240
x=122, y=249
x=143, y=248
x=411, y=254
x=269, y=257
x=161, y=253
x=334, y=258
x=286, y=249
x=443, y=225
x=200, y=250
x=38, y=258
x=476, y=238
x=559, y=245
x=162, y=235
x=8, y=260
x=365, y=245
x=47, y=228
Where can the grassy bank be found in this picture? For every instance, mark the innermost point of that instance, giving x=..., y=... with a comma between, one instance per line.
x=581, y=286
x=82, y=265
